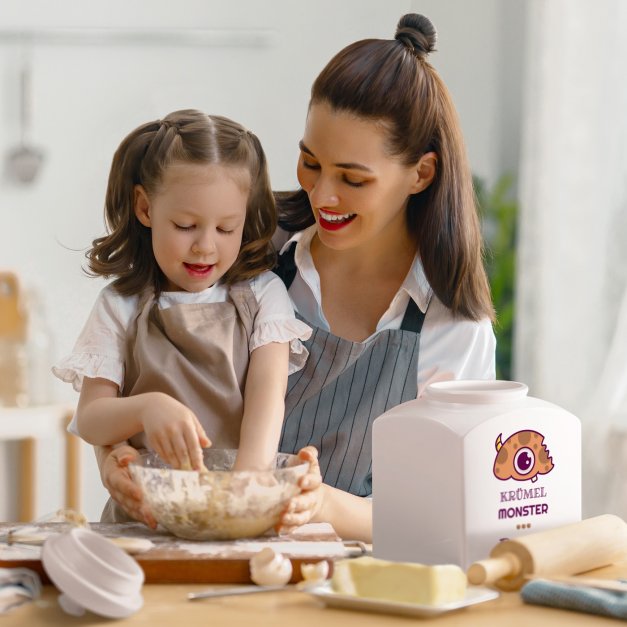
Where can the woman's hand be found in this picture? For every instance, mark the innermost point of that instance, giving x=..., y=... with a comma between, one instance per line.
x=305, y=506
x=117, y=479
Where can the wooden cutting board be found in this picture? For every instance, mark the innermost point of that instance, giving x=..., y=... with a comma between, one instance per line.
x=13, y=319
x=174, y=560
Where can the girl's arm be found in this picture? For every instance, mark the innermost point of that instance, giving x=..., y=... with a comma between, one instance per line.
x=350, y=515
x=264, y=406
x=172, y=430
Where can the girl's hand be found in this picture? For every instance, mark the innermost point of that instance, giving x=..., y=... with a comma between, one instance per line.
x=117, y=479
x=173, y=432
x=305, y=506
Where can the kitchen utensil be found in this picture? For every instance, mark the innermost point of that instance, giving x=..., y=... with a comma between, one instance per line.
x=566, y=550
x=218, y=504
x=467, y=464
x=230, y=591
x=24, y=161
x=13, y=353
x=13, y=318
x=175, y=560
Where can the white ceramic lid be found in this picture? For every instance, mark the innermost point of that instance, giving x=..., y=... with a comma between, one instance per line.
x=92, y=573
x=476, y=391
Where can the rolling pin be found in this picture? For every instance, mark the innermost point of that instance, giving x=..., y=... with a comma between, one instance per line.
x=567, y=550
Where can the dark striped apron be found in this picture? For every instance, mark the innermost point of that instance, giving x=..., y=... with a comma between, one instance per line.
x=332, y=402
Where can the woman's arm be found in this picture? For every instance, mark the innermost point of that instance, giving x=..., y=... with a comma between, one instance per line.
x=264, y=406
x=113, y=464
x=172, y=430
x=350, y=515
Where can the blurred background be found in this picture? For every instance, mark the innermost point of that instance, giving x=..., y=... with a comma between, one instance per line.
x=540, y=90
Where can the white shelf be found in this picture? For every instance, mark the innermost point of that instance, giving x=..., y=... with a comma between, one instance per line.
x=41, y=421
x=183, y=37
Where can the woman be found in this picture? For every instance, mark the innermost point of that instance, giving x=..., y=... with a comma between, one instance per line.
x=385, y=264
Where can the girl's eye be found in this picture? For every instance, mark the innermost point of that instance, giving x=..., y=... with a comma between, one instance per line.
x=310, y=166
x=226, y=231
x=181, y=227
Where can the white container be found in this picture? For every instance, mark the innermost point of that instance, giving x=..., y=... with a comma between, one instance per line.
x=93, y=574
x=468, y=464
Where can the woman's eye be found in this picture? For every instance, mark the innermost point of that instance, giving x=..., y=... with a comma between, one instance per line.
x=310, y=166
x=353, y=183
x=182, y=227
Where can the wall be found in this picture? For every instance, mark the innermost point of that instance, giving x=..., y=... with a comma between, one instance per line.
x=88, y=96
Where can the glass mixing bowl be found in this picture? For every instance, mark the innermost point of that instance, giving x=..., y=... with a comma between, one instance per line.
x=220, y=504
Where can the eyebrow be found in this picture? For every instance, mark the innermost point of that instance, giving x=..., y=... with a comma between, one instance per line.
x=346, y=166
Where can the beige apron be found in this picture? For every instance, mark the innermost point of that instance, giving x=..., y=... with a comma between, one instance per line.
x=198, y=354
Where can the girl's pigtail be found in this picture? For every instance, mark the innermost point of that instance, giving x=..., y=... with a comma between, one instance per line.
x=257, y=252
x=126, y=251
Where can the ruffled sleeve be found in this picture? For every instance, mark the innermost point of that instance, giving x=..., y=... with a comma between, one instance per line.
x=276, y=322
x=74, y=367
x=284, y=330
x=100, y=348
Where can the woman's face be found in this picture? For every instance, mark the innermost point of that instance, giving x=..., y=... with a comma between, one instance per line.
x=358, y=192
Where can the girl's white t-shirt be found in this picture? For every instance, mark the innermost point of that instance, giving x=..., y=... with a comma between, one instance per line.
x=100, y=349
x=450, y=347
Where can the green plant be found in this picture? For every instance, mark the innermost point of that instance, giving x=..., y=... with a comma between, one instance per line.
x=499, y=209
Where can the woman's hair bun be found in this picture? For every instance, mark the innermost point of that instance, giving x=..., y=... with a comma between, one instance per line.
x=417, y=33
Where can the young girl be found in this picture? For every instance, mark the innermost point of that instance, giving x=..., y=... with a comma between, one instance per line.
x=189, y=345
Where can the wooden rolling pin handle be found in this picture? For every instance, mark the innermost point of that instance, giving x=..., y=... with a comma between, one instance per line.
x=490, y=570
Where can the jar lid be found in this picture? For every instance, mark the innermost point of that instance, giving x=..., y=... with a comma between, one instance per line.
x=476, y=391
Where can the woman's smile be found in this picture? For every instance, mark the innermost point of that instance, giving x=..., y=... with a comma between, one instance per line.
x=332, y=221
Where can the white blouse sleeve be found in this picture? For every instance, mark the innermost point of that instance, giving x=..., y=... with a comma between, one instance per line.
x=275, y=320
x=454, y=348
x=100, y=348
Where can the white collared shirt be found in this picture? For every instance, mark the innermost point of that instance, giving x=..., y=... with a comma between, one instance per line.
x=450, y=348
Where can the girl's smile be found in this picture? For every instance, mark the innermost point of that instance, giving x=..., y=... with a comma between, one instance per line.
x=198, y=271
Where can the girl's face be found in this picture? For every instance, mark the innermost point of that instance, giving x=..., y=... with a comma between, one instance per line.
x=358, y=192
x=197, y=219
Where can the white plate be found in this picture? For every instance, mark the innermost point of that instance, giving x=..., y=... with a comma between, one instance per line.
x=324, y=592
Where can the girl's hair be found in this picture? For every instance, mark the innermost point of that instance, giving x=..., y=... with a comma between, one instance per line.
x=187, y=136
x=391, y=82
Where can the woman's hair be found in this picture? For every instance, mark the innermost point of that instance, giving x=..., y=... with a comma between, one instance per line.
x=142, y=158
x=391, y=82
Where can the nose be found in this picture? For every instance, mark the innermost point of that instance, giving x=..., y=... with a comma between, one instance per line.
x=323, y=193
x=204, y=244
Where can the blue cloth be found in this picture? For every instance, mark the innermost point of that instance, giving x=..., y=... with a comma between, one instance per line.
x=576, y=598
x=17, y=586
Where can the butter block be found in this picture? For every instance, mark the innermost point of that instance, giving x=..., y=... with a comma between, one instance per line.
x=402, y=582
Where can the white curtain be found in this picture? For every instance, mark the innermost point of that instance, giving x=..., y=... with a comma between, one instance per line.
x=571, y=330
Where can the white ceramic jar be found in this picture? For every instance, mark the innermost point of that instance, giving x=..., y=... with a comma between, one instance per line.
x=469, y=464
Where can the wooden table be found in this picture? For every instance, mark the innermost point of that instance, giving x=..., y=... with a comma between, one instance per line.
x=168, y=605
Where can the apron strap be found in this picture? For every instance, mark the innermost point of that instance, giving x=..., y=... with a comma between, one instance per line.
x=413, y=318
x=286, y=266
